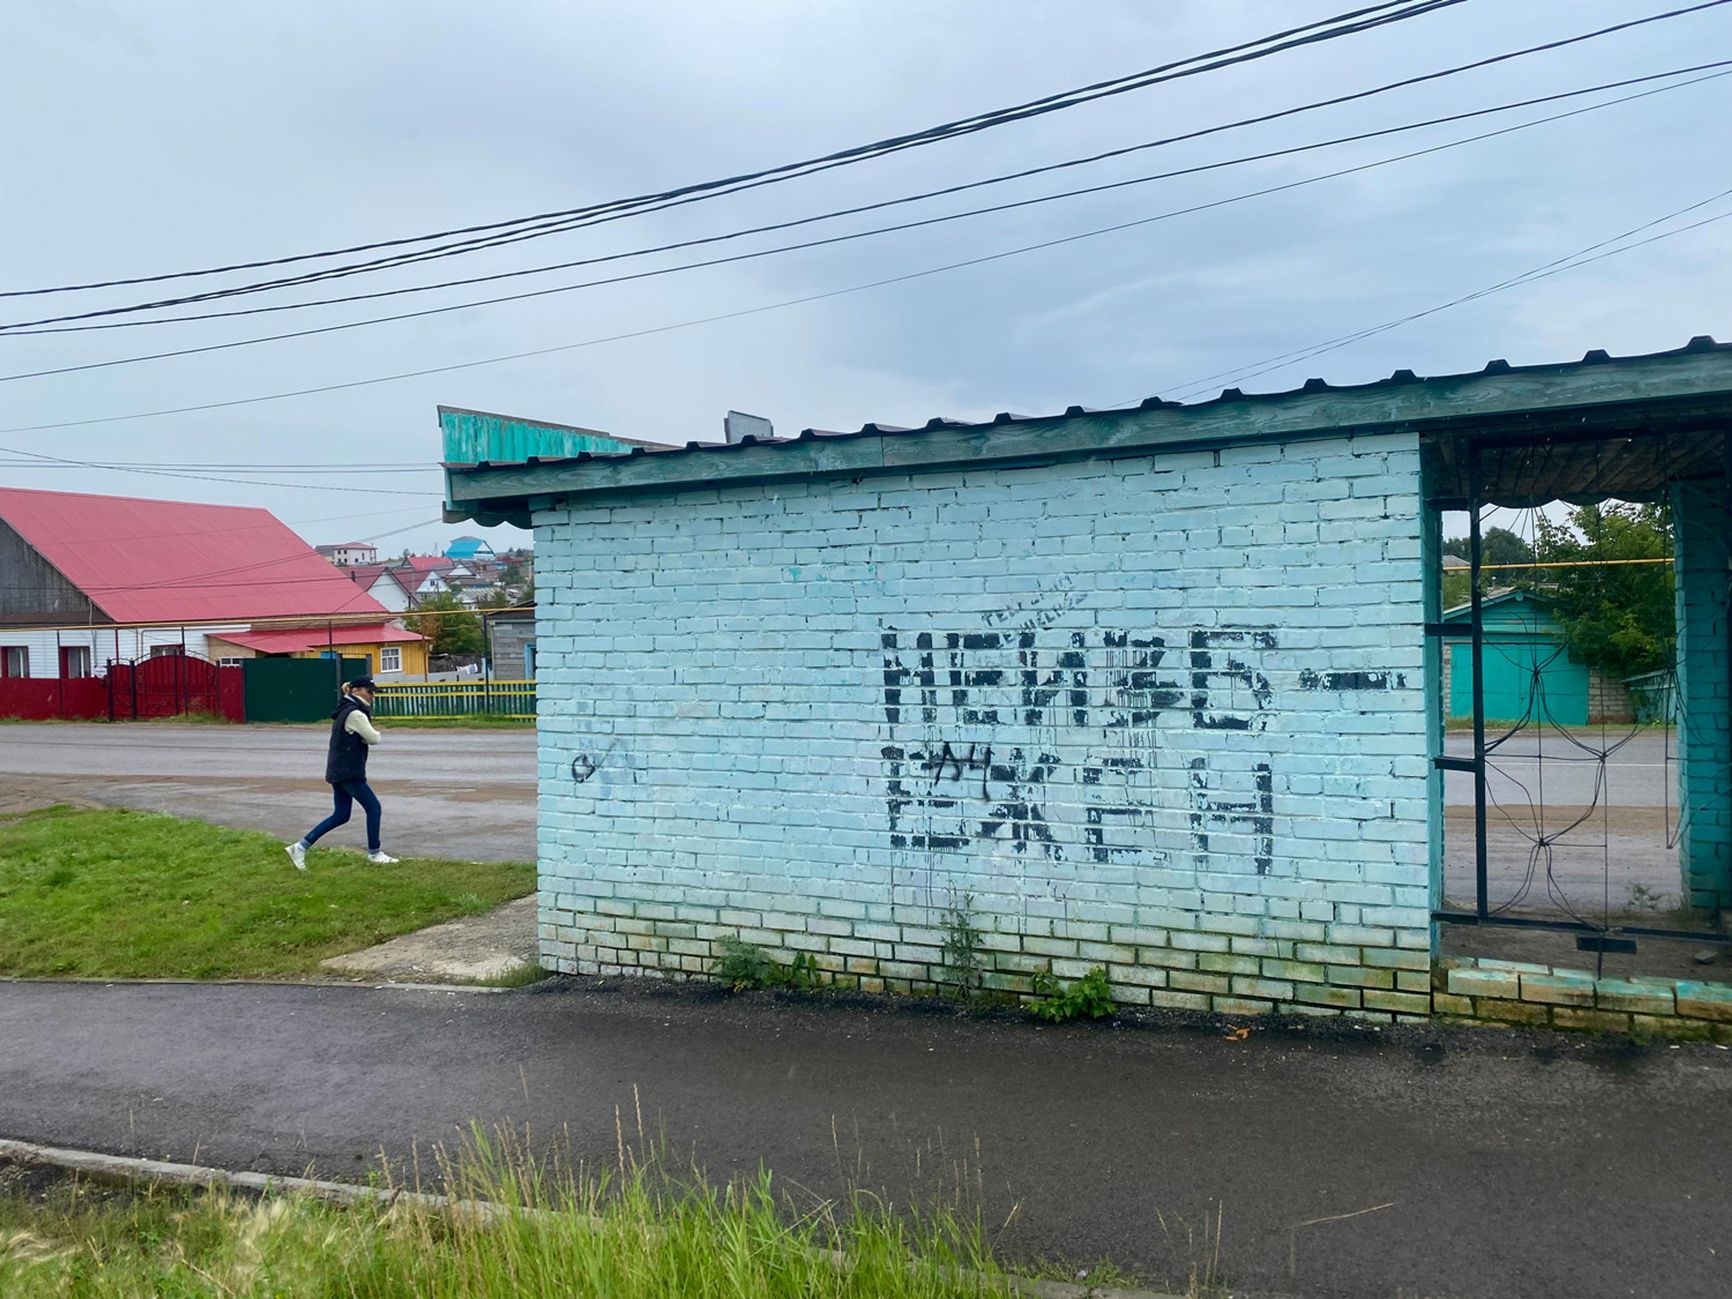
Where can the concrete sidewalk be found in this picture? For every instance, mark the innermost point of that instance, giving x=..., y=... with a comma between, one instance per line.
x=1343, y=1163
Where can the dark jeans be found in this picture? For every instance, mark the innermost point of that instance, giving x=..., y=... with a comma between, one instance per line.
x=343, y=798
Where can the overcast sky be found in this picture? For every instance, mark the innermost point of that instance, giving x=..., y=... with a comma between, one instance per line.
x=164, y=137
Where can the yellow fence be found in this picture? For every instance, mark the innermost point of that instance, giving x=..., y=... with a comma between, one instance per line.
x=454, y=699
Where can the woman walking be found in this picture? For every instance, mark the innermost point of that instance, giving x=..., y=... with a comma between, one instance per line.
x=352, y=736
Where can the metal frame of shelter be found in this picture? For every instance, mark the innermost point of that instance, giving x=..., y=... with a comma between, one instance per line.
x=1631, y=453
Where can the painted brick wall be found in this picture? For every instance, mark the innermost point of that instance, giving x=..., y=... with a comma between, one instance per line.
x=1702, y=540
x=1163, y=715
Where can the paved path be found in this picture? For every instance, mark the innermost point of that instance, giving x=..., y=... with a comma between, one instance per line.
x=1615, y=826
x=447, y=793
x=1510, y=1165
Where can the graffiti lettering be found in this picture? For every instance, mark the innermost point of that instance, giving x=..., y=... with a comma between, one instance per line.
x=1256, y=813
x=1309, y=680
x=1040, y=612
x=1066, y=737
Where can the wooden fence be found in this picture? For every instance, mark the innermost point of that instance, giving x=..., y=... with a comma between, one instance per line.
x=454, y=699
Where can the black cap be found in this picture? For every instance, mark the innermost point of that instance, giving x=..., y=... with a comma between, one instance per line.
x=361, y=683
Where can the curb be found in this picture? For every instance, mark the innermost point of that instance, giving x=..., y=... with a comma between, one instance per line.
x=361, y=984
x=128, y=1168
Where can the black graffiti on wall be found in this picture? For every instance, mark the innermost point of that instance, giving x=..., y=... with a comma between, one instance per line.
x=1110, y=691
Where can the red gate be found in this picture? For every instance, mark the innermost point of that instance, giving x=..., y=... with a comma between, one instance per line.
x=165, y=685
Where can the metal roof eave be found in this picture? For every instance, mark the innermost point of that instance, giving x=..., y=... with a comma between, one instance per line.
x=1497, y=397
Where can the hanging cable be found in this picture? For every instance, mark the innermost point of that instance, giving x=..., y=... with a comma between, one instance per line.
x=1326, y=29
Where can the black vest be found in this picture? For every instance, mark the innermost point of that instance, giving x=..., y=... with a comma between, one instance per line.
x=347, y=759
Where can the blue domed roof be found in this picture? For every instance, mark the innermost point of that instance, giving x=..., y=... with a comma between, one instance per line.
x=467, y=548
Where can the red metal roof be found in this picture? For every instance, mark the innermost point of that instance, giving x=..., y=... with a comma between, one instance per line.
x=294, y=639
x=170, y=561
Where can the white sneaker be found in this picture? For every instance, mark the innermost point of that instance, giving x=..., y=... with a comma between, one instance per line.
x=297, y=854
x=381, y=859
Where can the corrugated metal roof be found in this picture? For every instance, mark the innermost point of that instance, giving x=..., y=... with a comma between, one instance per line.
x=170, y=561
x=1229, y=398
x=299, y=639
x=471, y=436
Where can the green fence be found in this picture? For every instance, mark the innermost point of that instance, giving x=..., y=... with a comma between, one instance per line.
x=454, y=699
x=296, y=690
x=1655, y=696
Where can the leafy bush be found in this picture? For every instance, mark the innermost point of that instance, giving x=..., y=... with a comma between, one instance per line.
x=1087, y=998
x=745, y=965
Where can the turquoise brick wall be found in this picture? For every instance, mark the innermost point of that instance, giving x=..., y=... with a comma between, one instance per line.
x=1165, y=715
x=1703, y=523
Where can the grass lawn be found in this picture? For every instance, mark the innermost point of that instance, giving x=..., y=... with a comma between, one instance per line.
x=118, y=894
x=626, y=1234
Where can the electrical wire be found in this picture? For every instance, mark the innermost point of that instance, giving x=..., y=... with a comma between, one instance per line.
x=762, y=308
x=1321, y=30
x=30, y=328
x=565, y=226
x=1044, y=244
x=48, y=461
x=1569, y=262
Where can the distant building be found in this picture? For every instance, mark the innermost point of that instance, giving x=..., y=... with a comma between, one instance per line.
x=512, y=636
x=425, y=575
x=348, y=553
x=90, y=579
x=389, y=651
x=384, y=583
x=464, y=549
x=1530, y=676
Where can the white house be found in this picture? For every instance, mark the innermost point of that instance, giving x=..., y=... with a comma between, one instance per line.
x=348, y=553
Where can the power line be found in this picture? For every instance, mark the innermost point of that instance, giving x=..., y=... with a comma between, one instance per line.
x=29, y=328
x=1345, y=24
x=1569, y=262
x=836, y=239
x=49, y=461
x=309, y=471
x=746, y=311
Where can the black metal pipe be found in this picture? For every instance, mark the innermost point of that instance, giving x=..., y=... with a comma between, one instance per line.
x=1477, y=641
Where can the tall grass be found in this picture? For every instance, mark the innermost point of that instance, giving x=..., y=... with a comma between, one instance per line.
x=522, y=1226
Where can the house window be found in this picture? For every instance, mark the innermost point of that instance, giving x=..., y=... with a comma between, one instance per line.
x=166, y=651
x=14, y=661
x=230, y=663
x=74, y=661
x=391, y=658
x=529, y=659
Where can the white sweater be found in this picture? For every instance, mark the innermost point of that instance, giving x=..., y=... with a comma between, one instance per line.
x=360, y=724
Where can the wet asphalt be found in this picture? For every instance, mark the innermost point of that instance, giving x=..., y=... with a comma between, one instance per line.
x=1340, y=1162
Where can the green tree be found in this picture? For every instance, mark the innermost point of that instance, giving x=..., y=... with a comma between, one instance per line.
x=1497, y=546
x=448, y=626
x=1618, y=618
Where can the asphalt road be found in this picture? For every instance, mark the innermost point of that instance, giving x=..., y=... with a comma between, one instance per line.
x=1609, y=828
x=1476, y=1163
x=1640, y=769
x=446, y=793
